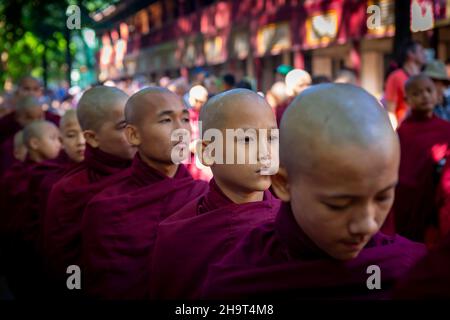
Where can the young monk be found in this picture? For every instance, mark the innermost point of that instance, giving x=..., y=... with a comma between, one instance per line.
x=28, y=109
x=424, y=142
x=238, y=198
x=73, y=144
x=101, y=116
x=339, y=167
x=42, y=141
x=119, y=224
x=20, y=149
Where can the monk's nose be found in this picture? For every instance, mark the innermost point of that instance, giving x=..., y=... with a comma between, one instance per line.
x=364, y=222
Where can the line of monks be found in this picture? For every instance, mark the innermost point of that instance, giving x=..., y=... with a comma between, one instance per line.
x=112, y=202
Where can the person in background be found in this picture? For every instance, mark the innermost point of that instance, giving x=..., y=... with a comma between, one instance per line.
x=436, y=71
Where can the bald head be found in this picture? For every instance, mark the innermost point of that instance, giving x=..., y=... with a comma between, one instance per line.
x=224, y=108
x=37, y=129
x=327, y=118
x=70, y=116
x=145, y=101
x=97, y=104
x=26, y=103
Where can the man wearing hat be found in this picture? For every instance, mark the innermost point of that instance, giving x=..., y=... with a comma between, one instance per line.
x=437, y=72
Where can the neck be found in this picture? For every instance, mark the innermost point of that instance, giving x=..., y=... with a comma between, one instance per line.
x=240, y=196
x=411, y=68
x=168, y=169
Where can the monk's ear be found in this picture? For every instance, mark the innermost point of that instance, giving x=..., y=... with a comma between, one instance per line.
x=280, y=185
x=33, y=143
x=91, y=138
x=132, y=134
x=203, y=155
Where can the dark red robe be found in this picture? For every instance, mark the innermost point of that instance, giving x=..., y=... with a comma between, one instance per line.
x=119, y=229
x=198, y=235
x=430, y=278
x=37, y=196
x=279, y=261
x=18, y=257
x=423, y=143
x=69, y=196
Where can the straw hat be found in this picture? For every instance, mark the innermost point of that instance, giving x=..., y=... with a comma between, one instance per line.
x=436, y=71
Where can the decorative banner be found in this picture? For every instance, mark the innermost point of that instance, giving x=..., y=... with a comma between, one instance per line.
x=422, y=15
x=214, y=50
x=321, y=29
x=241, y=45
x=387, y=23
x=273, y=38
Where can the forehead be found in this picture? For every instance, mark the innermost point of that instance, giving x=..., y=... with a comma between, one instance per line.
x=33, y=111
x=71, y=124
x=247, y=112
x=353, y=167
x=152, y=104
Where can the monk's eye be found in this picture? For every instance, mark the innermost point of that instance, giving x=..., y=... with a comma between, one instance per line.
x=384, y=198
x=166, y=120
x=336, y=207
x=185, y=119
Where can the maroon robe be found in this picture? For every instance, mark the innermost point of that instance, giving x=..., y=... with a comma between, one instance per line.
x=61, y=237
x=119, y=229
x=37, y=196
x=17, y=255
x=430, y=278
x=279, y=261
x=201, y=234
x=423, y=144
x=281, y=108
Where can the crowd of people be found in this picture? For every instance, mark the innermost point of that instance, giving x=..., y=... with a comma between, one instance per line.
x=90, y=181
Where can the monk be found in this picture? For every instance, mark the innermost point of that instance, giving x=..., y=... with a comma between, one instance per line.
x=73, y=144
x=15, y=121
x=238, y=198
x=339, y=167
x=42, y=141
x=108, y=154
x=430, y=278
x=120, y=223
x=28, y=109
x=424, y=143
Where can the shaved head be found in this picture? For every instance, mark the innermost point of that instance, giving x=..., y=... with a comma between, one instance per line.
x=325, y=119
x=413, y=81
x=70, y=116
x=222, y=108
x=145, y=101
x=97, y=104
x=37, y=129
x=26, y=103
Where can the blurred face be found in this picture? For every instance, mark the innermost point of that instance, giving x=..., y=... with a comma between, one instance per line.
x=73, y=140
x=48, y=145
x=419, y=55
x=441, y=87
x=29, y=87
x=29, y=115
x=153, y=134
x=244, y=177
x=20, y=152
x=111, y=138
x=341, y=206
x=421, y=96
